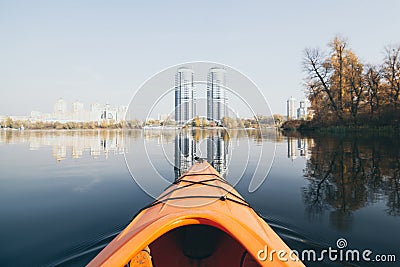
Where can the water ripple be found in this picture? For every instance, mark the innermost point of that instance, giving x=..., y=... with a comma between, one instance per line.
x=81, y=251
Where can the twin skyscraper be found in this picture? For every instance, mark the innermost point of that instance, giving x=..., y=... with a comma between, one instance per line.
x=186, y=95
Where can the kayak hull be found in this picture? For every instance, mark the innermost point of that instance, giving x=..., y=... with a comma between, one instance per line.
x=200, y=220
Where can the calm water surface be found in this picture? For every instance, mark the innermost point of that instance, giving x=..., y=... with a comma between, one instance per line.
x=65, y=194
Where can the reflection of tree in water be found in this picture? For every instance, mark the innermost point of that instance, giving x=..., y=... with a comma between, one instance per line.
x=346, y=174
x=393, y=202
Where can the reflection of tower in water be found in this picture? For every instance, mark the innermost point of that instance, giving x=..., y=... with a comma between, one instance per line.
x=292, y=148
x=217, y=152
x=301, y=144
x=187, y=148
x=185, y=152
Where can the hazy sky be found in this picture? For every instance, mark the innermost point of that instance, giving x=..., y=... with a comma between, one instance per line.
x=99, y=51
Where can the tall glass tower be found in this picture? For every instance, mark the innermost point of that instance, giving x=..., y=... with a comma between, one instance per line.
x=185, y=96
x=291, y=108
x=216, y=95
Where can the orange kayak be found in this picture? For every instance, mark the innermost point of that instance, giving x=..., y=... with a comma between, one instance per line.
x=200, y=220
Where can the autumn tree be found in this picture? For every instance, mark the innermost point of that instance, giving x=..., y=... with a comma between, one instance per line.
x=337, y=65
x=354, y=89
x=204, y=122
x=335, y=82
x=239, y=123
x=278, y=119
x=391, y=74
x=8, y=122
x=373, y=84
x=321, y=93
x=196, y=122
x=229, y=122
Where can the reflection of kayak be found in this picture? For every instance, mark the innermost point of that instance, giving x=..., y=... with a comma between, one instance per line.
x=200, y=220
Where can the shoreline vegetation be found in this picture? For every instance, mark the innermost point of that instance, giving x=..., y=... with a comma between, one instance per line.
x=309, y=128
x=39, y=125
x=347, y=95
x=231, y=123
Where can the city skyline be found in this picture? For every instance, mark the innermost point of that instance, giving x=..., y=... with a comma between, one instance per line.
x=47, y=55
x=186, y=96
x=97, y=112
x=77, y=113
x=300, y=113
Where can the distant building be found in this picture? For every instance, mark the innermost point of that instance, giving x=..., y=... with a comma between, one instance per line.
x=216, y=95
x=40, y=116
x=291, y=108
x=302, y=111
x=185, y=96
x=77, y=107
x=97, y=113
x=60, y=107
x=78, y=112
x=107, y=112
x=94, y=107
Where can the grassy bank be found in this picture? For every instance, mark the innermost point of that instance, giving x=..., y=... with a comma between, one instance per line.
x=305, y=127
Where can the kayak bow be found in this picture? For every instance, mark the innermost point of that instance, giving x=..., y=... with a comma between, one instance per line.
x=200, y=220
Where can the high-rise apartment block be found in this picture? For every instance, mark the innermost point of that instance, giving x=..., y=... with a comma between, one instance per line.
x=185, y=96
x=291, y=108
x=216, y=95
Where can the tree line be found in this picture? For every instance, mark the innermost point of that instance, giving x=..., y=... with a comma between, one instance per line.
x=228, y=122
x=47, y=125
x=345, y=91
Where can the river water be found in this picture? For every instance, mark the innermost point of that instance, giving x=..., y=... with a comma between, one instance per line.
x=65, y=194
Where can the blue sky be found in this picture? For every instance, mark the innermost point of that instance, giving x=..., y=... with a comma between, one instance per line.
x=102, y=51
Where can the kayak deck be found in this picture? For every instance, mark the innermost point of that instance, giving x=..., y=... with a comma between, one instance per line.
x=200, y=220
